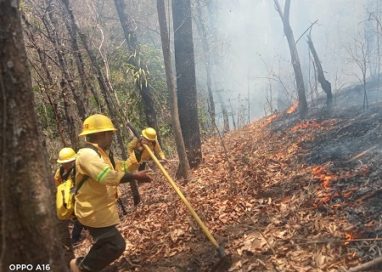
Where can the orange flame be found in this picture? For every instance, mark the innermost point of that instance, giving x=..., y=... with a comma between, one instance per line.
x=293, y=108
x=326, y=181
x=317, y=170
x=323, y=175
x=270, y=118
x=350, y=236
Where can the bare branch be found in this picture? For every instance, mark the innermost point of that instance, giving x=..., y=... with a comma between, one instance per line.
x=286, y=10
x=278, y=9
x=310, y=27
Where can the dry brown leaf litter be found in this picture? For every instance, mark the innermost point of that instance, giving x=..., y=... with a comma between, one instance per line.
x=294, y=201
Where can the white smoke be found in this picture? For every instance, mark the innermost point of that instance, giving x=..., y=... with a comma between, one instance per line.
x=253, y=45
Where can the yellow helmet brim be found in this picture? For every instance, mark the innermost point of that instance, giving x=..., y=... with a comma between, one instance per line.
x=66, y=161
x=90, y=131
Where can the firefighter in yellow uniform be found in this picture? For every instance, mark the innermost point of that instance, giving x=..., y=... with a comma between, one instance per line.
x=67, y=159
x=137, y=155
x=95, y=201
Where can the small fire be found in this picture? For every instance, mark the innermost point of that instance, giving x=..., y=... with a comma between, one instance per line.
x=293, y=107
x=270, y=118
x=350, y=236
x=326, y=181
x=323, y=175
x=317, y=170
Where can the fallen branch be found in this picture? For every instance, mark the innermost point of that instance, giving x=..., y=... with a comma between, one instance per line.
x=366, y=266
x=361, y=154
x=266, y=240
x=340, y=241
x=367, y=195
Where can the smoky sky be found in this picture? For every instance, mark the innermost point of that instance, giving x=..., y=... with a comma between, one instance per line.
x=254, y=45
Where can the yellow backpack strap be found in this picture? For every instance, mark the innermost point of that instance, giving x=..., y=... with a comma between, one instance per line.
x=84, y=178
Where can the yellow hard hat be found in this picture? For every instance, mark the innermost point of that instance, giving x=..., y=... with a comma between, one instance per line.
x=97, y=123
x=149, y=134
x=66, y=154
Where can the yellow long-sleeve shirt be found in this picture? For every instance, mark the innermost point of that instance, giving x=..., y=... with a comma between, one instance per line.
x=132, y=160
x=95, y=202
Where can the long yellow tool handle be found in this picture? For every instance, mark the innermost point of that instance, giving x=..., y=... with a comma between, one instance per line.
x=184, y=199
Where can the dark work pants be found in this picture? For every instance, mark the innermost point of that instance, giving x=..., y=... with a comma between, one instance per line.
x=108, y=246
x=76, y=231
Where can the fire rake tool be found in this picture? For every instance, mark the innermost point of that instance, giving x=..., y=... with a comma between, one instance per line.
x=204, y=228
x=225, y=260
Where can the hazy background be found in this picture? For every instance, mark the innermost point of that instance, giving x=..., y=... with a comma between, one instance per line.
x=252, y=46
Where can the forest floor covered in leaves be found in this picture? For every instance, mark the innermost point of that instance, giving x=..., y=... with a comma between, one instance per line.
x=290, y=195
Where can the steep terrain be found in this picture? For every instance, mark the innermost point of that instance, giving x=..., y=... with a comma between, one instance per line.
x=289, y=195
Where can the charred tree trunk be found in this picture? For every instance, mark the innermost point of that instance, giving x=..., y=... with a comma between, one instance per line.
x=183, y=169
x=185, y=74
x=325, y=84
x=284, y=15
x=142, y=84
x=28, y=234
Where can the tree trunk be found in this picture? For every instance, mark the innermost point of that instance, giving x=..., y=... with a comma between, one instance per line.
x=128, y=26
x=52, y=25
x=207, y=56
x=183, y=169
x=185, y=74
x=232, y=114
x=49, y=84
x=302, y=104
x=69, y=108
x=106, y=93
x=115, y=112
x=225, y=119
x=28, y=234
x=73, y=35
x=325, y=84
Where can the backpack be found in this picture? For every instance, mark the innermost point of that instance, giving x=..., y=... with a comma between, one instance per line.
x=67, y=190
x=65, y=196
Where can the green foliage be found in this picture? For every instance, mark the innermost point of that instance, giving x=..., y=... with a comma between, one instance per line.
x=126, y=78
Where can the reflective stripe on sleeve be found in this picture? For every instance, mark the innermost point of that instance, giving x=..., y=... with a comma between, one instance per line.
x=101, y=176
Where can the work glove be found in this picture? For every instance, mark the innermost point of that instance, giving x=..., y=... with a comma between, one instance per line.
x=141, y=177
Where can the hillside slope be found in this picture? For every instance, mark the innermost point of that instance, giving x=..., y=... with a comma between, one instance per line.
x=291, y=195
